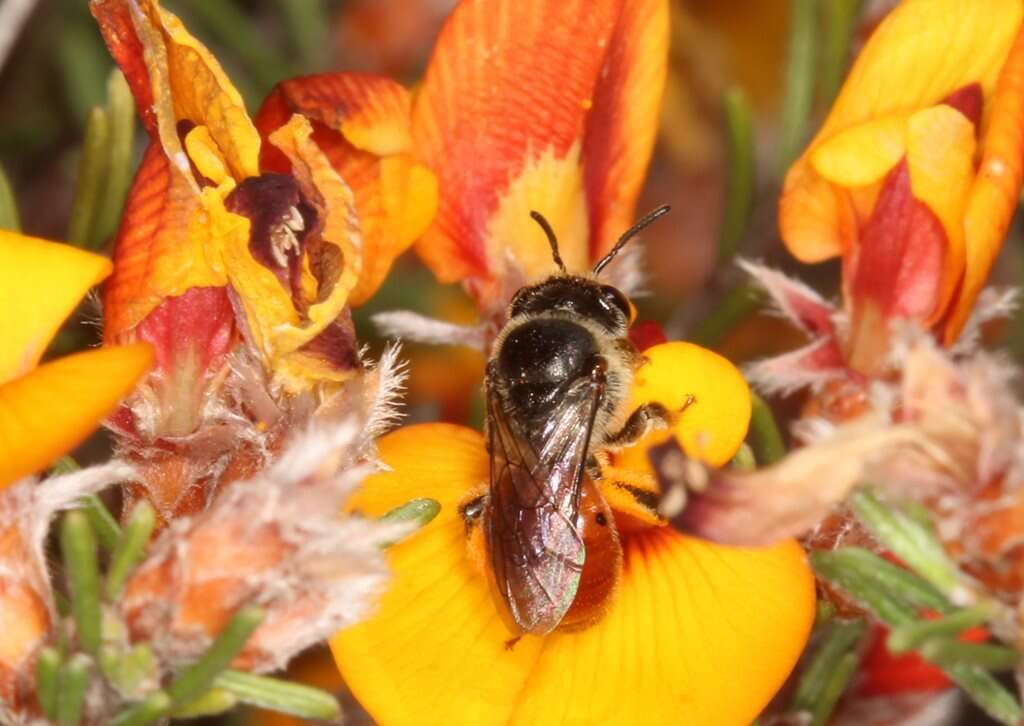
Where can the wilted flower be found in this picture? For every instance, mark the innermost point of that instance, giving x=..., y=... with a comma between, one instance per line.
x=242, y=248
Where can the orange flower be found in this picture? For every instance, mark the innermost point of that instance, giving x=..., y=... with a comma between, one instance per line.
x=552, y=106
x=537, y=105
x=46, y=411
x=915, y=174
x=686, y=622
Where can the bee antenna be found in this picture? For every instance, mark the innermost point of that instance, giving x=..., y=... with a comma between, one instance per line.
x=628, y=235
x=552, y=240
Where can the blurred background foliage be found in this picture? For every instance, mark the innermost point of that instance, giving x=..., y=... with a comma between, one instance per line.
x=749, y=82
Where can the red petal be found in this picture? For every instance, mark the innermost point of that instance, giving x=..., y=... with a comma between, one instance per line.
x=968, y=100
x=114, y=19
x=647, y=334
x=901, y=255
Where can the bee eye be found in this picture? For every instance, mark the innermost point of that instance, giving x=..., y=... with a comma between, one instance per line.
x=619, y=300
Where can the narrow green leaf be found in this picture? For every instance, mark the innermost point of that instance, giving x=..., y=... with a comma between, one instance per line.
x=801, y=68
x=155, y=707
x=987, y=692
x=48, y=681
x=274, y=694
x=840, y=17
x=131, y=548
x=827, y=673
x=416, y=511
x=129, y=672
x=64, y=465
x=121, y=112
x=108, y=531
x=767, y=440
x=861, y=586
x=212, y=703
x=197, y=678
x=307, y=24
x=741, y=173
x=906, y=538
x=9, y=218
x=909, y=636
x=948, y=652
x=73, y=684
x=92, y=169
x=895, y=582
x=78, y=547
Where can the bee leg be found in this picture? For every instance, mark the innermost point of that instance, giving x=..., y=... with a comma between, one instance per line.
x=646, y=418
x=471, y=512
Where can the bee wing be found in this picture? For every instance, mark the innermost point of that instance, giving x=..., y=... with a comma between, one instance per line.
x=535, y=546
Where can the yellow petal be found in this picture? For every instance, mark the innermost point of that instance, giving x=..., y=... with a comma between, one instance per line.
x=713, y=426
x=435, y=650
x=188, y=84
x=52, y=409
x=940, y=154
x=697, y=634
x=41, y=283
x=816, y=219
x=996, y=190
x=203, y=152
x=862, y=154
x=923, y=51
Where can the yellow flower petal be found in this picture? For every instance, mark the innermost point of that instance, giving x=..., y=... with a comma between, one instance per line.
x=189, y=84
x=49, y=411
x=862, y=154
x=688, y=622
x=996, y=190
x=698, y=634
x=435, y=651
x=940, y=154
x=921, y=53
x=41, y=283
x=710, y=429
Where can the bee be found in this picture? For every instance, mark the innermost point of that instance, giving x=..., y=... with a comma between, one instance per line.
x=557, y=389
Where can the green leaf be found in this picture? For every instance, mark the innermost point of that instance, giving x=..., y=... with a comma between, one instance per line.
x=48, y=681
x=92, y=169
x=801, y=69
x=829, y=672
x=741, y=173
x=74, y=679
x=78, y=547
x=294, y=699
x=9, y=218
x=131, y=547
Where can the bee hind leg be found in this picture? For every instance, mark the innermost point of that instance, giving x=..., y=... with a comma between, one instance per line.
x=646, y=418
x=471, y=511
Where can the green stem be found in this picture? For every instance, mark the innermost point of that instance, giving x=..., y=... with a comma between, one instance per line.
x=744, y=459
x=121, y=109
x=8, y=205
x=74, y=682
x=764, y=431
x=197, y=678
x=92, y=168
x=292, y=698
x=738, y=304
x=131, y=548
x=78, y=547
x=740, y=179
x=48, y=681
x=799, y=84
x=155, y=707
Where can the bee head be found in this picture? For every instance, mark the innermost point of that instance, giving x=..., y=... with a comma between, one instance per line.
x=580, y=297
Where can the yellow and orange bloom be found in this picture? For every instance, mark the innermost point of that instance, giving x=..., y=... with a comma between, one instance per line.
x=915, y=174
x=46, y=410
x=522, y=108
